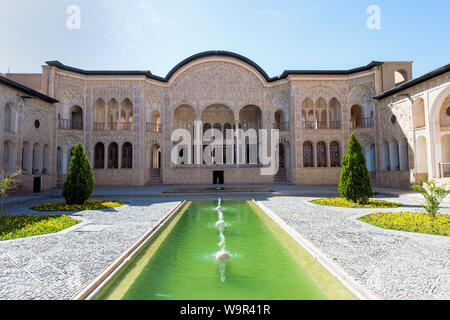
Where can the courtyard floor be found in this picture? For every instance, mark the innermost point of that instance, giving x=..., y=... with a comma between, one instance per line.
x=389, y=264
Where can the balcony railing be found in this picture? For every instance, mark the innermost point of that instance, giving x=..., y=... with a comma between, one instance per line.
x=113, y=126
x=282, y=126
x=362, y=123
x=153, y=127
x=67, y=124
x=321, y=125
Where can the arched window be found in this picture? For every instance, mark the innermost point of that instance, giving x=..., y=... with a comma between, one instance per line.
x=46, y=159
x=99, y=156
x=37, y=158
x=335, y=155
x=308, y=150
x=113, y=156
x=385, y=158
x=27, y=158
x=8, y=157
x=76, y=118
x=356, y=116
x=7, y=118
x=218, y=126
x=226, y=127
x=58, y=160
x=403, y=155
x=321, y=155
x=127, y=155
x=206, y=127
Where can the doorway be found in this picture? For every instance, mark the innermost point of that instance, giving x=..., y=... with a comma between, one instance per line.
x=218, y=177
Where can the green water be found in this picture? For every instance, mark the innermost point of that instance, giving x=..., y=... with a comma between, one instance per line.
x=185, y=267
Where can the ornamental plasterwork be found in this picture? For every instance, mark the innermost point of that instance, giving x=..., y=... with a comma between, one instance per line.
x=217, y=81
x=316, y=139
x=63, y=80
x=318, y=89
x=153, y=100
x=70, y=94
x=361, y=94
x=108, y=93
x=280, y=99
x=365, y=140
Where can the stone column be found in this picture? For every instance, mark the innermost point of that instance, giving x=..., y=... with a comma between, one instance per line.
x=106, y=116
x=64, y=161
x=105, y=166
x=237, y=145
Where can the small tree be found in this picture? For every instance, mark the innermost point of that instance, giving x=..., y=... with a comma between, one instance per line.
x=7, y=184
x=434, y=195
x=80, y=180
x=355, y=184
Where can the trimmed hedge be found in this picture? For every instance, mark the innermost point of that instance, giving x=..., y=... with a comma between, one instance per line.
x=410, y=221
x=341, y=202
x=87, y=205
x=15, y=227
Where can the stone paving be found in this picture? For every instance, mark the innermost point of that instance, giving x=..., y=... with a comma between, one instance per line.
x=391, y=264
x=57, y=266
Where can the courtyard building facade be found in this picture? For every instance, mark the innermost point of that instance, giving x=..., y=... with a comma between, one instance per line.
x=125, y=120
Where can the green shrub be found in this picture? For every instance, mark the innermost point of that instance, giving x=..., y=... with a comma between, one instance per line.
x=433, y=194
x=7, y=183
x=355, y=184
x=80, y=180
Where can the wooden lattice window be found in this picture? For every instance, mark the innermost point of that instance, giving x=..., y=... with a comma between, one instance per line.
x=99, y=156
x=308, y=155
x=335, y=155
x=127, y=156
x=321, y=155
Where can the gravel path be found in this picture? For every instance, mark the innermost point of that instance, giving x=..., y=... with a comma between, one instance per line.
x=391, y=264
x=57, y=266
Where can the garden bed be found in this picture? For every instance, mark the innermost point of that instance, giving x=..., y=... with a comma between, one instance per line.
x=341, y=202
x=410, y=221
x=88, y=205
x=21, y=226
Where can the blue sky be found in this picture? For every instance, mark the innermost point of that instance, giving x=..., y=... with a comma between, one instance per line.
x=156, y=35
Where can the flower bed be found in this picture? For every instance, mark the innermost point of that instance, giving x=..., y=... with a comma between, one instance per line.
x=14, y=227
x=410, y=221
x=88, y=205
x=342, y=202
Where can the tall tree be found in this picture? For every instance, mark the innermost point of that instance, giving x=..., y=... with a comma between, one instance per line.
x=80, y=179
x=355, y=184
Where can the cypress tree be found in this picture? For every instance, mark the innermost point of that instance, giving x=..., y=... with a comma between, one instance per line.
x=80, y=180
x=355, y=184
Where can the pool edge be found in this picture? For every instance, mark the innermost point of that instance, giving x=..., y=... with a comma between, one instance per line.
x=335, y=270
x=94, y=286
